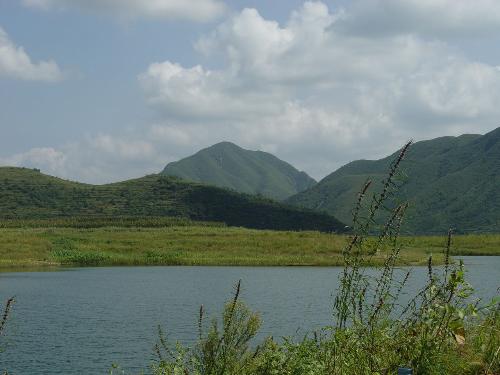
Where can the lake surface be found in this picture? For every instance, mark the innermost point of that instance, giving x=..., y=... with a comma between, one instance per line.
x=80, y=321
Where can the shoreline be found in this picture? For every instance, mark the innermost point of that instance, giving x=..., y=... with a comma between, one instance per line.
x=41, y=248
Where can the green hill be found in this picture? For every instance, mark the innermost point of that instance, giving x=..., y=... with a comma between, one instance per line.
x=253, y=172
x=29, y=194
x=451, y=182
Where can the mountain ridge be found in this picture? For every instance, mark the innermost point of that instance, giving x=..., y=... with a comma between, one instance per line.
x=452, y=182
x=29, y=194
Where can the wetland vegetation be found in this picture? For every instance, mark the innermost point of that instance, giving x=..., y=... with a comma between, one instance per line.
x=167, y=241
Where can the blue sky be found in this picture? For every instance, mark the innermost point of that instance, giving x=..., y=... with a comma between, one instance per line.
x=107, y=90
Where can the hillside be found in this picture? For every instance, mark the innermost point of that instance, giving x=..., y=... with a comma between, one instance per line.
x=27, y=193
x=253, y=172
x=451, y=182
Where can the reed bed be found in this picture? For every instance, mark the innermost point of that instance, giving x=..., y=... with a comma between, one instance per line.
x=207, y=245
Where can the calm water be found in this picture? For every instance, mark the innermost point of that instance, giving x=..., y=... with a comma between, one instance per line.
x=80, y=321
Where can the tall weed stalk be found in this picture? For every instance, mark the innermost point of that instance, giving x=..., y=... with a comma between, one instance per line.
x=3, y=322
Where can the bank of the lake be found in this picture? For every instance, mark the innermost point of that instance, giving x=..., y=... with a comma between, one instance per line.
x=207, y=245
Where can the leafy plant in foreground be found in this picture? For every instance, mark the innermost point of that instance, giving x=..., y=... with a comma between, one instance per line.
x=223, y=349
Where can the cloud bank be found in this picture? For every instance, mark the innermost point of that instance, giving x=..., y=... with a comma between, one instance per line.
x=16, y=63
x=324, y=88
x=319, y=93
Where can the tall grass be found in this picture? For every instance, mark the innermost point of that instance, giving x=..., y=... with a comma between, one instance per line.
x=439, y=331
x=5, y=314
x=3, y=322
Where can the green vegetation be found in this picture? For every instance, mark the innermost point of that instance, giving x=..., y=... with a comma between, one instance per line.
x=81, y=222
x=29, y=194
x=49, y=243
x=439, y=331
x=445, y=335
x=169, y=246
x=453, y=182
x=253, y=172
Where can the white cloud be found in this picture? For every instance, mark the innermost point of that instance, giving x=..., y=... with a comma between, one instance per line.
x=122, y=149
x=50, y=158
x=98, y=159
x=218, y=95
x=461, y=90
x=15, y=63
x=195, y=10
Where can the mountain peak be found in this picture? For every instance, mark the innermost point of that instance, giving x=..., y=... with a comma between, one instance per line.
x=226, y=164
x=225, y=144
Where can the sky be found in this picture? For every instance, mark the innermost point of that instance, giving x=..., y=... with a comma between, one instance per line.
x=104, y=90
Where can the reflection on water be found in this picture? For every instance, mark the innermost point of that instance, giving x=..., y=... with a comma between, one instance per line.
x=82, y=320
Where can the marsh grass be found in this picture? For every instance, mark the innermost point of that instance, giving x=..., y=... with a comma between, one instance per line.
x=439, y=331
x=205, y=245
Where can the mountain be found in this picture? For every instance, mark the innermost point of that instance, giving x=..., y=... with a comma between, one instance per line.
x=253, y=172
x=451, y=182
x=27, y=193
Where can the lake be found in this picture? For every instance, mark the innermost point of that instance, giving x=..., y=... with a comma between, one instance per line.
x=81, y=320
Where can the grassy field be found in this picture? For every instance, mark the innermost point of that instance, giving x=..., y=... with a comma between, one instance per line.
x=36, y=244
